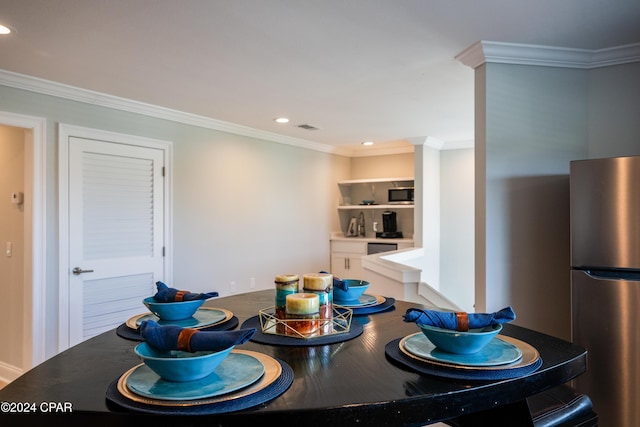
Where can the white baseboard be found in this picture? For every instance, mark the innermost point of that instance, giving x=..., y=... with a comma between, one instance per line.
x=9, y=372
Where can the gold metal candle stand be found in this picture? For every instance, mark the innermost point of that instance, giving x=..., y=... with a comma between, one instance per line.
x=340, y=322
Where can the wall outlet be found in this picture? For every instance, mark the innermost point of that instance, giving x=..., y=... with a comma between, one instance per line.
x=252, y=283
x=232, y=288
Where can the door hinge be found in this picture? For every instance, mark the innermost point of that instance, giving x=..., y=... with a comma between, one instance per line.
x=163, y=251
x=163, y=171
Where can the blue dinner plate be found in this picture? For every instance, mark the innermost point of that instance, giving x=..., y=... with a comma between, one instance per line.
x=364, y=301
x=235, y=372
x=497, y=352
x=203, y=317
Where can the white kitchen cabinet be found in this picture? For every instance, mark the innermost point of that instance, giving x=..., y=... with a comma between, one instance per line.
x=346, y=258
x=347, y=253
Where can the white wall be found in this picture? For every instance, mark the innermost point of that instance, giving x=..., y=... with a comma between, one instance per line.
x=536, y=123
x=614, y=111
x=246, y=209
x=457, y=227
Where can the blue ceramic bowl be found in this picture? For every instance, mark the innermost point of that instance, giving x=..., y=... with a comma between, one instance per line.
x=173, y=310
x=181, y=366
x=355, y=290
x=461, y=342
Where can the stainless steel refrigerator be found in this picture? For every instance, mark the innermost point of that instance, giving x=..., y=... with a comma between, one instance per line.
x=605, y=284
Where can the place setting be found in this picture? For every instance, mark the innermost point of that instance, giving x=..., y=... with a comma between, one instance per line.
x=304, y=316
x=351, y=293
x=187, y=370
x=464, y=346
x=170, y=306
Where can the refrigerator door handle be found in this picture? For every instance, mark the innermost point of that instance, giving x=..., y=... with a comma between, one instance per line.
x=630, y=275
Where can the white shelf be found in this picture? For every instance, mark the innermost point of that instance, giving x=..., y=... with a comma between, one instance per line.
x=355, y=191
x=369, y=207
x=375, y=180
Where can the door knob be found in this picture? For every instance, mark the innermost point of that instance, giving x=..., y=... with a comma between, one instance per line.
x=78, y=270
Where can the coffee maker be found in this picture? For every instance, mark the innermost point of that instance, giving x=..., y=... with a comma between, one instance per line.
x=389, y=226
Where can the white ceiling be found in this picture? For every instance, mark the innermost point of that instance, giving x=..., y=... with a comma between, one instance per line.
x=380, y=70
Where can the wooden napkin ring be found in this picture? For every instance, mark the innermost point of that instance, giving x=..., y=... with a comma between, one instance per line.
x=184, y=339
x=179, y=296
x=463, y=321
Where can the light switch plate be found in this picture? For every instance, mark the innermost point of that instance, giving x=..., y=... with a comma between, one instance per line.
x=17, y=197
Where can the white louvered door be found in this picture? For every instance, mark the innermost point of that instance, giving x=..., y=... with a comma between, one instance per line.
x=115, y=233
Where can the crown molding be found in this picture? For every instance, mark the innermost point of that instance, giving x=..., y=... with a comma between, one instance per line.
x=547, y=56
x=46, y=87
x=439, y=144
x=382, y=151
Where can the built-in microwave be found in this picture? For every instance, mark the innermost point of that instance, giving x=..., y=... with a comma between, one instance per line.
x=401, y=196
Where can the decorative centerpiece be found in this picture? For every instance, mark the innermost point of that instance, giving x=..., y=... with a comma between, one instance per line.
x=305, y=314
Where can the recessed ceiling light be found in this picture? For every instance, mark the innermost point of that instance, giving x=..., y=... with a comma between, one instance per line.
x=4, y=30
x=367, y=143
x=282, y=120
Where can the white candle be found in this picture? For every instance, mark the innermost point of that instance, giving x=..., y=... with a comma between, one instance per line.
x=317, y=281
x=303, y=303
x=302, y=313
x=286, y=279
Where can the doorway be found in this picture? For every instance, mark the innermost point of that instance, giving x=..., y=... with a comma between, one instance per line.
x=30, y=314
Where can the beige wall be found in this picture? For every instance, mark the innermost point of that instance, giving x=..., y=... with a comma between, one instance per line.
x=392, y=165
x=11, y=230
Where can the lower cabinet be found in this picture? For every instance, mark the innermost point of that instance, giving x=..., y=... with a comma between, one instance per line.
x=346, y=262
x=346, y=254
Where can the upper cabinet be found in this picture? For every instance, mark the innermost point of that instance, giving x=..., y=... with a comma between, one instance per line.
x=372, y=193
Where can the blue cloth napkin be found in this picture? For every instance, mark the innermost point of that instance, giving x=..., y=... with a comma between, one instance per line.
x=337, y=283
x=449, y=320
x=168, y=337
x=167, y=294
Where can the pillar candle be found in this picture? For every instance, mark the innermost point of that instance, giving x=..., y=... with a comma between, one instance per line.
x=302, y=313
x=321, y=284
x=286, y=284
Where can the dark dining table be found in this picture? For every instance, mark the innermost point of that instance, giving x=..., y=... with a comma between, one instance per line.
x=351, y=382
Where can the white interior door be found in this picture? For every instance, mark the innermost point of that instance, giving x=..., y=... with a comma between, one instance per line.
x=116, y=232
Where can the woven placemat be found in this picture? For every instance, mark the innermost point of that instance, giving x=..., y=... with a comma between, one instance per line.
x=118, y=402
x=392, y=350
x=388, y=304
